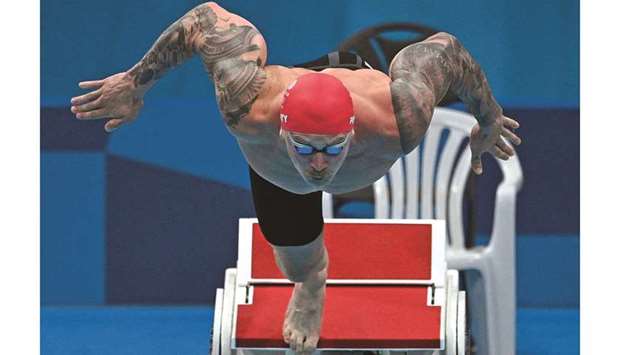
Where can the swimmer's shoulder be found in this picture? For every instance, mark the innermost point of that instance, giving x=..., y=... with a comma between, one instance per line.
x=262, y=122
x=362, y=82
x=266, y=107
x=375, y=123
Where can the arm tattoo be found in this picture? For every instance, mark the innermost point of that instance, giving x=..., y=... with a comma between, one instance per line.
x=412, y=103
x=170, y=49
x=424, y=72
x=238, y=81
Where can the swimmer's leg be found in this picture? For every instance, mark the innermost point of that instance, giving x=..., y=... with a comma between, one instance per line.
x=293, y=225
x=306, y=266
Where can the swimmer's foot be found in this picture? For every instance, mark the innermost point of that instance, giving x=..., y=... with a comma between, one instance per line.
x=302, y=322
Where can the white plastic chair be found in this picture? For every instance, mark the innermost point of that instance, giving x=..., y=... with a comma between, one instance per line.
x=413, y=180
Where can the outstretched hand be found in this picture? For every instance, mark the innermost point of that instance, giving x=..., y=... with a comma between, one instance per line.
x=114, y=98
x=490, y=139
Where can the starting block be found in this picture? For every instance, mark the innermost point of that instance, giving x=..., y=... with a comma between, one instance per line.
x=388, y=291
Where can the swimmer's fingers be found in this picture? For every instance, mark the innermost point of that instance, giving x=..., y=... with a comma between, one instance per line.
x=93, y=84
x=476, y=164
x=114, y=124
x=476, y=150
x=89, y=106
x=91, y=96
x=511, y=136
x=500, y=154
x=510, y=123
x=92, y=115
x=504, y=147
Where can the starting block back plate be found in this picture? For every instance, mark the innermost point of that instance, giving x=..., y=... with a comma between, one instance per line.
x=360, y=250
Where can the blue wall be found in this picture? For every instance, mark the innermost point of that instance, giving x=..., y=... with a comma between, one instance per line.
x=178, y=168
x=72, y=228
x=528, y=48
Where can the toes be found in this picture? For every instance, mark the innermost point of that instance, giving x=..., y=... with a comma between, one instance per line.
x=292, y=340
x=286, y=335
x=310, y=344
x=303, y=345
x=297, y=342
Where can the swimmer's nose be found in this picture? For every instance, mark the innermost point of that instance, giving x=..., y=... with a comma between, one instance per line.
x=318, y=163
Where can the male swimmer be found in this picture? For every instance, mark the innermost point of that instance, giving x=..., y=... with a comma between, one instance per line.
x=304, y=131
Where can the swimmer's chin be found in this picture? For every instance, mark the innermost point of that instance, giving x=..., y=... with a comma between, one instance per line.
x=318, y=181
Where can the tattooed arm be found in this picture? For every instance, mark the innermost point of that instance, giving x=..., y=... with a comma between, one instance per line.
x=233, y=53
x=424, y=72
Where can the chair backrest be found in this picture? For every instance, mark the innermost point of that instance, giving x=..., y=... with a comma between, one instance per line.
x=429, y=182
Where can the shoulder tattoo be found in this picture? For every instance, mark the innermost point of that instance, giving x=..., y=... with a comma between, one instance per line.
x=223, y=50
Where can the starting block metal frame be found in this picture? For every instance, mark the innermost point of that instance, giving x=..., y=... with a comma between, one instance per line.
x=442, y=291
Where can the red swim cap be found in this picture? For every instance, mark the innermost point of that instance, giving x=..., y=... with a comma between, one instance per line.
x=317, y=103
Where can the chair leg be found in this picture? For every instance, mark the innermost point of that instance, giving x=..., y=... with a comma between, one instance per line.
x=500, y=302
x=477, y=310
x=491, y=303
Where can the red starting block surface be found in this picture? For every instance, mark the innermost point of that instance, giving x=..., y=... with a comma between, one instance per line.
x=381, y=282
x=354, y=317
